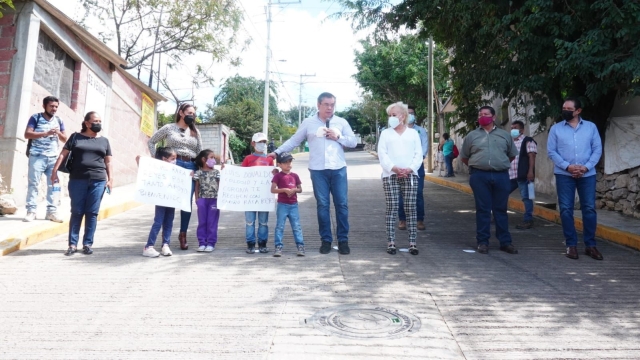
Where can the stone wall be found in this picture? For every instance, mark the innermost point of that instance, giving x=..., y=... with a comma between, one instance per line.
x=216, y=137
x=619, y=192
x=7, y=50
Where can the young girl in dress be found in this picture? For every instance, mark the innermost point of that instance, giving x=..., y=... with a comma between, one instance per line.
x=207, y=180
x=164, y=215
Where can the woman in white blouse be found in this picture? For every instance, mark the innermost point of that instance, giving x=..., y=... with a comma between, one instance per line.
x=400, y=154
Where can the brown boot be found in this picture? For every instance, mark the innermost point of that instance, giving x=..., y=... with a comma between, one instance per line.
x=402, y=225
x=421, y=225
x=183, y=241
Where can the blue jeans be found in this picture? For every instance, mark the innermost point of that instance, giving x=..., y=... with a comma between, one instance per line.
x=419, y=199
x=86, y=196
x=448, y=159
x=263, y=225
x=566, y=187
x=283, y=212
x=491, y=194
x=523, y=186
x=162, y=220
x=38, y=165
x=185, y=216
x=332, y=182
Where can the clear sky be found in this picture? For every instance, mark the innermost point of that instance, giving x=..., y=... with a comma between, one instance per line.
x=301, y=34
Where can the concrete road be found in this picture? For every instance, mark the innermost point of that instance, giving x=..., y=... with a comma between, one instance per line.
x=227, y=304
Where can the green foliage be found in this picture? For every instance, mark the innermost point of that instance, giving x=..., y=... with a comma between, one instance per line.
x=183, y=27
x=239, y=105
x=395, y=70
x=358, y=122
x=164, y=119
x=530, y=52
x=8, y=3
x=237, y=147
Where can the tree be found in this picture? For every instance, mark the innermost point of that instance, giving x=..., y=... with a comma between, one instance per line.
x=143, y=28
x=531, y=52
x=239, y=105
x=8, y=3
x=397, y=70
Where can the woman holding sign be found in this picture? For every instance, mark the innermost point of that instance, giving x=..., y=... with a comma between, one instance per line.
x=185, y=139
x=91, y=175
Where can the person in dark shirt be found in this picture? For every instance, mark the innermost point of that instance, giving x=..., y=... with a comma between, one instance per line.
x=91, y=175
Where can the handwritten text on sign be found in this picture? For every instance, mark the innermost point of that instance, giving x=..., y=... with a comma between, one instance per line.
x=164, y=184
x=246, y=189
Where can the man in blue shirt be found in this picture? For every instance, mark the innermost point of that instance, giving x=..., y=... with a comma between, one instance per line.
x=402, y=217
x=575, y=148
x=44, y=131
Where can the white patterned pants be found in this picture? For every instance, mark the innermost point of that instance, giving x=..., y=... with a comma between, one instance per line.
x=408, y=187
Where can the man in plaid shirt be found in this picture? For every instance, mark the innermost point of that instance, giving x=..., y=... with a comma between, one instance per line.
x=522, y=170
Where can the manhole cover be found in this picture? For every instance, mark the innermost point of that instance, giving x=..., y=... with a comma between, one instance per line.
x=365, y=321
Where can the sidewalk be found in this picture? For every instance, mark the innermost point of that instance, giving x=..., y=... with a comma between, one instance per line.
x=16, y=234
x=612, y=226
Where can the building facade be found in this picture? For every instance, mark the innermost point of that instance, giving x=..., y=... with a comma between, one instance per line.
x=43, y=52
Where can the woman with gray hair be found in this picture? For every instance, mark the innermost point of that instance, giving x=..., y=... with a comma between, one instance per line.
x=400, y=155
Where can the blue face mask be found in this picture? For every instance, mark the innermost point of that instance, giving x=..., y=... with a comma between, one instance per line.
x=393, y=122
x=412, y=118
x=515, y=133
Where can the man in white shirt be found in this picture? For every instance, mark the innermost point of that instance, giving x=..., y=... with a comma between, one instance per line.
x=326, y=135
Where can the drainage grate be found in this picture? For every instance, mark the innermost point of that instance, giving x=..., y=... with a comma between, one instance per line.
x=365, y=322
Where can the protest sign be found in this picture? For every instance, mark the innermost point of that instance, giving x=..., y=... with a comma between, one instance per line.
x=246, y=189
x=164, y=184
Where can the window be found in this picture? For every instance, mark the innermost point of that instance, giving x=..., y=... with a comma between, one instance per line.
x=54, y=69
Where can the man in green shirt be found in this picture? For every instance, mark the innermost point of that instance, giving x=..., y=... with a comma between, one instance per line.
x=488, y=151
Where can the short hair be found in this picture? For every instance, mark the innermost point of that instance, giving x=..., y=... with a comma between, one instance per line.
x=49, y=99
x=164, y=152
x=411, y=107
x=445, y=136
x=492, y=110
x=401, y=106
x=519, y=123
x=325, y=95
x=576, y=102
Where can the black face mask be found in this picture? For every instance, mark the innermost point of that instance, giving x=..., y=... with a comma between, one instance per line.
x=567, y=115
x=189, y=119
x=96, y=128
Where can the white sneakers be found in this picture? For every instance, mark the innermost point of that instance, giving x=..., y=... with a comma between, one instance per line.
x=209, y=248
x=150, y=252
x=166, y=251
x=30, y=217
x=201, y=248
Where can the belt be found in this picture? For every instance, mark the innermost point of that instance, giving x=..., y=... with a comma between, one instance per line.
x=493, y=171
x=184, y=158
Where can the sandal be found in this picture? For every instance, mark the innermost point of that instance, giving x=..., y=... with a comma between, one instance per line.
x=413, y=249
x=87, y=250
x=70, y=251
x=391, y=249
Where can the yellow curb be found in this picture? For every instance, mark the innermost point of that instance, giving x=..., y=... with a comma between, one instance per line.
x=606, y=232
x=36, y=235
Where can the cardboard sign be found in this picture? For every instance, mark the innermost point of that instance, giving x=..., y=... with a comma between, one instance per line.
x=246, y=189
x=164, y=184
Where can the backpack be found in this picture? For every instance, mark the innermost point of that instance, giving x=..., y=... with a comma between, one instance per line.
x=455, y=151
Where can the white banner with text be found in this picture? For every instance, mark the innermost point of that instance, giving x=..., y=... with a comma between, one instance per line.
x=164, y=184
x=246, y=189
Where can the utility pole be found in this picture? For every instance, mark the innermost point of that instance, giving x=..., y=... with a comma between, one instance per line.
x=155, y=43
x=300, y=101
x=265, y=116
x=430, y=108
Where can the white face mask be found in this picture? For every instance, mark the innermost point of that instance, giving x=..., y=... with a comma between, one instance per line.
x=393, y=122
x=261, y=147
x=412, y=118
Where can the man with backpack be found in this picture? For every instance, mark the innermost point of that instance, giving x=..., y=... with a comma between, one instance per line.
x=44, y=131
x=522, y=171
